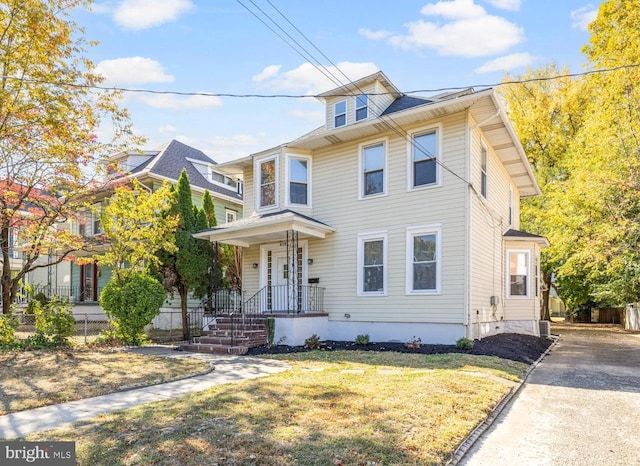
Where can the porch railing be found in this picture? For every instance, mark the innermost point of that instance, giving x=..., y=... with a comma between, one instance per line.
x=75, y=294
x=282, y=299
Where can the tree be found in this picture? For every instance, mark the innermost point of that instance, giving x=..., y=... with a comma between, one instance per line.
x=137, y=227
x=47, y=134
x=186, y=268
x=590, y=208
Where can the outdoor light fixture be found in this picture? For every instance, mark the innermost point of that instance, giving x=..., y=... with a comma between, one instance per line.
x=254, y=265
x=309, y=261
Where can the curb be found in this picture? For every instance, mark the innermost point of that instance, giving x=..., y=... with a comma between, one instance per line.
x=473, y=437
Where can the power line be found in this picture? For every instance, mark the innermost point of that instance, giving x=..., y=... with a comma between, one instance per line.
x=308, y=96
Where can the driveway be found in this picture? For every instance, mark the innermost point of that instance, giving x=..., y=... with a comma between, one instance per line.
x=580, y=406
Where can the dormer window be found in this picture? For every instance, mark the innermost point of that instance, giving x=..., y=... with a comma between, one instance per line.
x=362, y=109
x=340, y=114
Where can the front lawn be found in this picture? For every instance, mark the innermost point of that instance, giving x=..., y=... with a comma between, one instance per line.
x=30, y=379
x=332, y=408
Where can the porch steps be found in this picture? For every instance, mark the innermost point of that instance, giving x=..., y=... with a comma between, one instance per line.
x=230, y=336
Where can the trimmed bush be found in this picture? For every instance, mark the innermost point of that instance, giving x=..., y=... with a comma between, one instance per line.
x=464, y=344
x=362, y=340
x=132, y=305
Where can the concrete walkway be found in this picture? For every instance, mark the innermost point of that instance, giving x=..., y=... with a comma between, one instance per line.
x=228, y=369
x=580, y=406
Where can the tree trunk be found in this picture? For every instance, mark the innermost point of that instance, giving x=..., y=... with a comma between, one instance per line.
x=544, y=296
x=182, y=290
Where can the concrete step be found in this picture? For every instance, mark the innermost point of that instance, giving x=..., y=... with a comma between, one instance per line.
x=226, y=340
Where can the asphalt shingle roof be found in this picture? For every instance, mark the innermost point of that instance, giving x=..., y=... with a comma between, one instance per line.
x=170, y=161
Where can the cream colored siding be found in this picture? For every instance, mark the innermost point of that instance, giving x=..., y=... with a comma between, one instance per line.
x=250, y=276
x=490, y=219
x=379, y=100
x=335, y=178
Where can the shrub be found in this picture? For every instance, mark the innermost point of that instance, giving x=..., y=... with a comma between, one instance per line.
x=313, y=342
x=414, y=343
x=464, y=344
x=362, y=340
x=55, y=322
x=8, y=325
x=132, y=305
x=270, y=324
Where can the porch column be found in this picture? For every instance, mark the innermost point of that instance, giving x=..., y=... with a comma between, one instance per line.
x=293, y=272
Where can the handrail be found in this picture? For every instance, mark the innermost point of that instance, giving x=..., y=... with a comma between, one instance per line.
x=283, y=299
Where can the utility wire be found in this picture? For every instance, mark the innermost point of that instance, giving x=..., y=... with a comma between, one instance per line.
x=308, y=96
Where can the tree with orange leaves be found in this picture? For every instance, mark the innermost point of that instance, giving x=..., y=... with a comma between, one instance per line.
x=50, y=156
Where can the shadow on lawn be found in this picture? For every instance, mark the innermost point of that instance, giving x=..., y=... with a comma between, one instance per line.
x=260, y=424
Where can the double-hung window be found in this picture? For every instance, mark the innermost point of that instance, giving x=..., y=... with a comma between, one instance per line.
x=424, y=158
x=340, y=114
x=423, y=260
x=518, y=274
x=373, y=162
x=298, y=172
x=372, y=263
x=267, y=176
x=483, y=172
x=362, y=111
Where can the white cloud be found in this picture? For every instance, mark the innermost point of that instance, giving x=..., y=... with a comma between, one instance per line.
x=583, y=16
x=175, y=102
x=506, y=63
x=468, y=31
x=456, y=9
x=167, y=129
x=268, y=73
x=374, y=35
x=225, y=148
x=513, y=5
x=132, y=70
x=307, y=79
x=144, y=14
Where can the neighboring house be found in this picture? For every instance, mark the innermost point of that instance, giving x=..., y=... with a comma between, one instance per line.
x=398, y=218
x=83, y=282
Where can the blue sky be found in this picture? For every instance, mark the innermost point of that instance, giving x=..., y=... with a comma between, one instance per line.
x=217, y=46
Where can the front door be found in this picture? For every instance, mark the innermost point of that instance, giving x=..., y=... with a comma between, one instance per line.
x=284, y=292
x=279, y=282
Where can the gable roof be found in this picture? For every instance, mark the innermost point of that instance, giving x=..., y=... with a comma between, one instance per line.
x=172, y=158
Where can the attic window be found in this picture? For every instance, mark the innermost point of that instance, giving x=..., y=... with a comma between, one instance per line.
x=362, y=110
x=340, y=114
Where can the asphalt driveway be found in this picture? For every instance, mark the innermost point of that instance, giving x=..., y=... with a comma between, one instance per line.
x=580, y=406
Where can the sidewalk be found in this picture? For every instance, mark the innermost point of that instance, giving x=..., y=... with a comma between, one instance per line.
x=228, y=369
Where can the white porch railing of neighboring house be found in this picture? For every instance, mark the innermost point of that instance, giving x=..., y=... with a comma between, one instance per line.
x=75, y=294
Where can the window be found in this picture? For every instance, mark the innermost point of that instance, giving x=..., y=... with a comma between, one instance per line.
x=340, y=114
x=267, y=183
x=424, y=159
x=230, y=215
x=518, y=274
x=510, y=205
x=423, y=260
x=298, y=174
x=372, y=259
x=373, y=170
x=483, y=172
x=362, y=111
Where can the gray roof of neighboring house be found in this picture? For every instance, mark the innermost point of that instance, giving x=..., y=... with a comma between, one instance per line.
x=404, y=103
x=170, y=161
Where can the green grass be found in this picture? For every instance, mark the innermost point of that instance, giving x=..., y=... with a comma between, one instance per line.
x=331, y=408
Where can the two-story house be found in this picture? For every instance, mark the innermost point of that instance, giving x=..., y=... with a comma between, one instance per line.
x=398, y=218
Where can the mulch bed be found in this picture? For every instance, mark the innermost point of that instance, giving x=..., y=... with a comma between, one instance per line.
x=514, y=346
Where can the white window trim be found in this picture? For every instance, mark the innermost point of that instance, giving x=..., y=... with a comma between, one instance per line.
x=258, y=193
x=385, y=169
x=356, y=108
x=288, y=202
x=362, y=238
x=226, y=214
x=512, y=212
x=485, y=171
x=425, y=129
x=423, y=230
x=529, y=253
x=346, y=108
